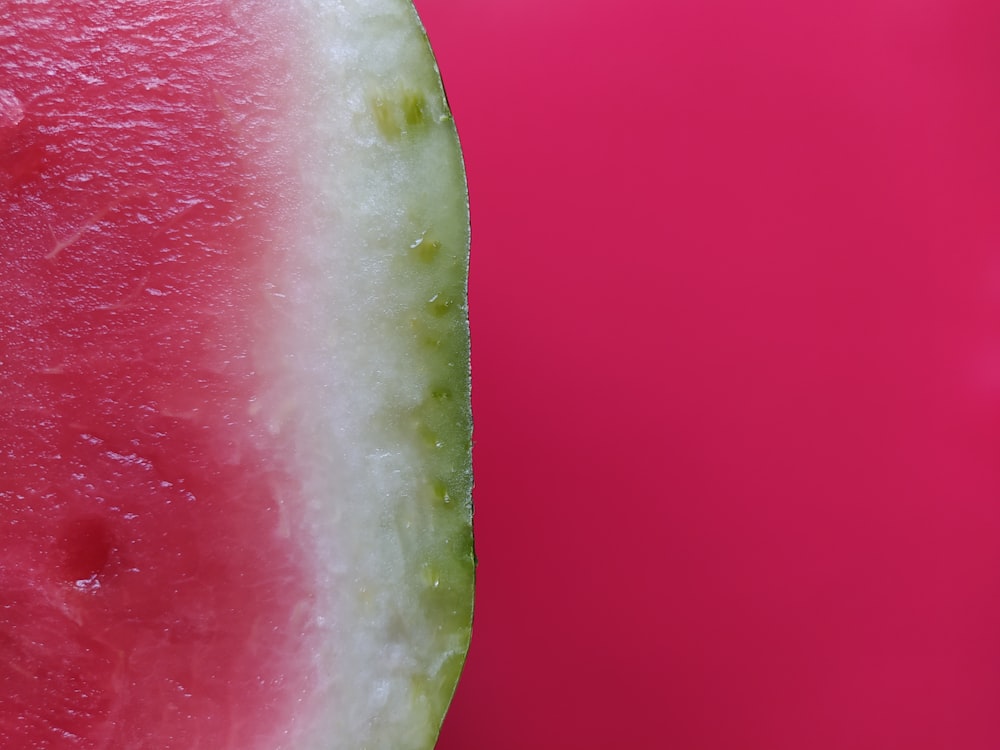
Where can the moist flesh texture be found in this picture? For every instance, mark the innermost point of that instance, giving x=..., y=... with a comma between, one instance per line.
x=154, y=589
x=235, y=433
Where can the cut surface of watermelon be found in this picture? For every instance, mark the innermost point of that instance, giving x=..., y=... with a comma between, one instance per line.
x=234, y=374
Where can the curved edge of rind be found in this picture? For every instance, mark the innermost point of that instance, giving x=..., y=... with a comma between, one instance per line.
x=468, y=498
x=384, y=272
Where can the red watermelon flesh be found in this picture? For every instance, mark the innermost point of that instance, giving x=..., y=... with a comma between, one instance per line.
x=158, y=581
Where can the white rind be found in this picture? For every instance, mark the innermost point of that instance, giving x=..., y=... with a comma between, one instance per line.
x=375, y=187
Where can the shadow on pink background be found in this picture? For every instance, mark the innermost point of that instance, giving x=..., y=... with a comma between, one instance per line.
x=736, y=320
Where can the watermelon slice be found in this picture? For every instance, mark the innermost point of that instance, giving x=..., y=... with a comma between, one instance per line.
x=235, y=435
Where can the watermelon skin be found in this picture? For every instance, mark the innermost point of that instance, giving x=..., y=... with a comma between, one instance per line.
x=236, y=438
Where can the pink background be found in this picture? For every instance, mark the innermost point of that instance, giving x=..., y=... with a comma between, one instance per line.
x=736, y=320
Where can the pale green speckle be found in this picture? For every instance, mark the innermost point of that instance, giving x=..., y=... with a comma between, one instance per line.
x=426, y=251
x=404, y=111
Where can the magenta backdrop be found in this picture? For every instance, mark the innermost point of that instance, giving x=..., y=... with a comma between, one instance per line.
x=736, y=320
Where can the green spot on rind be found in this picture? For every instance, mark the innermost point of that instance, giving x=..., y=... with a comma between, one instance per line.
x=426, y=251
x=414, y=108
x=402, y=112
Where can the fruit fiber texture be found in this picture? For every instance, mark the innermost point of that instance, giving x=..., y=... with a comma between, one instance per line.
x=234, y=421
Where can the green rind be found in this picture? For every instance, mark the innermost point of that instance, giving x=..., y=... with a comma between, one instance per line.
x=443, y=421
x=437, y=267
x=390, y=224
